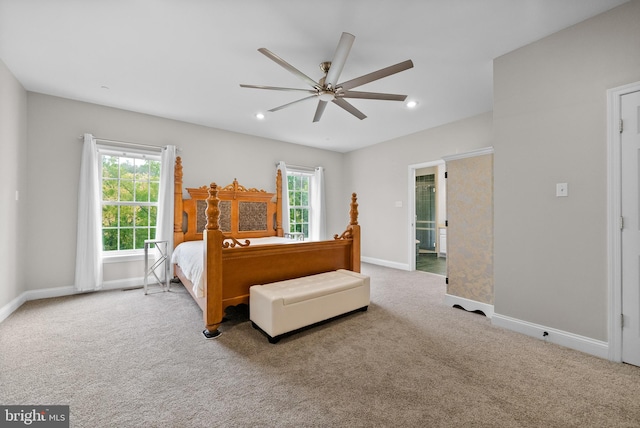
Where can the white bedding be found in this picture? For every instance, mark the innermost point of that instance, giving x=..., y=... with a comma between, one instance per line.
x=190, y=257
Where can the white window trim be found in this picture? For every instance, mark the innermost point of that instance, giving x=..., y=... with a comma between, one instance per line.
x=119, y=256
x=308, y=172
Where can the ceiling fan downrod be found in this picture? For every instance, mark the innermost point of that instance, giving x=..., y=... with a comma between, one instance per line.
x=325, y=92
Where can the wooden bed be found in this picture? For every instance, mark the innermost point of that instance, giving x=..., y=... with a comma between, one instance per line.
x=226, y=219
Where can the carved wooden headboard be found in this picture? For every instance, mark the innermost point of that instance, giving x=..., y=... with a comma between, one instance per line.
x=244, y=212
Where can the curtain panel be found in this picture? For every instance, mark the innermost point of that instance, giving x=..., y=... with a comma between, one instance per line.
x=164, y=222
x=318, y=226
x=88, y=275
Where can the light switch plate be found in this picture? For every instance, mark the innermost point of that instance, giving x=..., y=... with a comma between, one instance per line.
x=562, y=189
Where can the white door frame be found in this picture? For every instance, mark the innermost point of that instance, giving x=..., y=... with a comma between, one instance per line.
x=411, y=209
x=614, y=212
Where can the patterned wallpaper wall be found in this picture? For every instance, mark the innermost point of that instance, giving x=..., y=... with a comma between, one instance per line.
x=470, y=230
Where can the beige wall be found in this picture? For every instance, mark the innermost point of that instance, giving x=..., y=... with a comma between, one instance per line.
x=13, y=173
x=470, y=230
x=208, y=155
x=550, y=113
x=380, y=175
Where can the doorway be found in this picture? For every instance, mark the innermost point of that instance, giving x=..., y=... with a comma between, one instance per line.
x=427, y=208
x=426, y=196
x=624, y=223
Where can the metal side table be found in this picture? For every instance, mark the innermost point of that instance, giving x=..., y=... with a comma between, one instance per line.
x=294, y=235
x=163, y=260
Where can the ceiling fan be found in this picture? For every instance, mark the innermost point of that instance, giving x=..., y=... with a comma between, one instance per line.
x=327, y=89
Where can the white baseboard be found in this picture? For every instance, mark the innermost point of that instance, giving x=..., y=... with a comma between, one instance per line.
x=584, y=344
x=469, y=305
x=124, y=283
x=10, y=307
x=47, y=293
x=385, y=263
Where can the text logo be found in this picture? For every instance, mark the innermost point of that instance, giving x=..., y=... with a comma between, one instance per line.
x=34, y=416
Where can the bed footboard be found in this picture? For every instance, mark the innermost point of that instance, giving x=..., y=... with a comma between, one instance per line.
x=230, y=272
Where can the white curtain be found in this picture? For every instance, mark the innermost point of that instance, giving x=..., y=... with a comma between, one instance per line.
x=318, y=227
x=89, y=238
x=285, y=197
x=164, y=221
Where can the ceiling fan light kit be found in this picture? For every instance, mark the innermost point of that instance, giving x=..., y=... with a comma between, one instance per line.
x=326, y=96
x=327, y=89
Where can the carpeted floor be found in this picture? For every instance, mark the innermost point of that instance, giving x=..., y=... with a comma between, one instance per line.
x=122, y=359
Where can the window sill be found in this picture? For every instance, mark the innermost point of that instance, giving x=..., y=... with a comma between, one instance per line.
x=123, y=258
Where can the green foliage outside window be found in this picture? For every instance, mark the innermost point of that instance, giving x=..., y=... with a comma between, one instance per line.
x=298, y=203
x=130, y=188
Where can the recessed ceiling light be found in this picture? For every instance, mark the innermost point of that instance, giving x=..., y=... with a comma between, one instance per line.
x=411, y=104
x=260, y=116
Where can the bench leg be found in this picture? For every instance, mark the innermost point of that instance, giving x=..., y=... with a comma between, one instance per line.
x=271, y=339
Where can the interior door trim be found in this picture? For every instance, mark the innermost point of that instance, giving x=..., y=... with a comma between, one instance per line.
x=614, y=212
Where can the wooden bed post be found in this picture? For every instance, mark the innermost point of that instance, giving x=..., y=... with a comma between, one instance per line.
x=352, y=233
x=213, y=238
x=178, y=234
x=355, y=233
x=279, y=231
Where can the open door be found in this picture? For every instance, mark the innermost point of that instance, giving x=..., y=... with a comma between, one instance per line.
x=630, y=141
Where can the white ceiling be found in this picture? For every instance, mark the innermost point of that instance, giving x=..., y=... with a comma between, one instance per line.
x=185, y=59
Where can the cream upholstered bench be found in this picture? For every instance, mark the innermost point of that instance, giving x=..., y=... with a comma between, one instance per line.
x=286, y=306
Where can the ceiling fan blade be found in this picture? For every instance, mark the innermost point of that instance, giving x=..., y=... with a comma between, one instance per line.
x=387, y=71
x=278, y=88
x=288, y=66
x=321, y=106
x=372, y=96
x=339, y=59
x=350, y=108
x=291, y=103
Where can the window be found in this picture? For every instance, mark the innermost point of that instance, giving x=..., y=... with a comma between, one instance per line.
x=130, y=185
x=299, y=201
